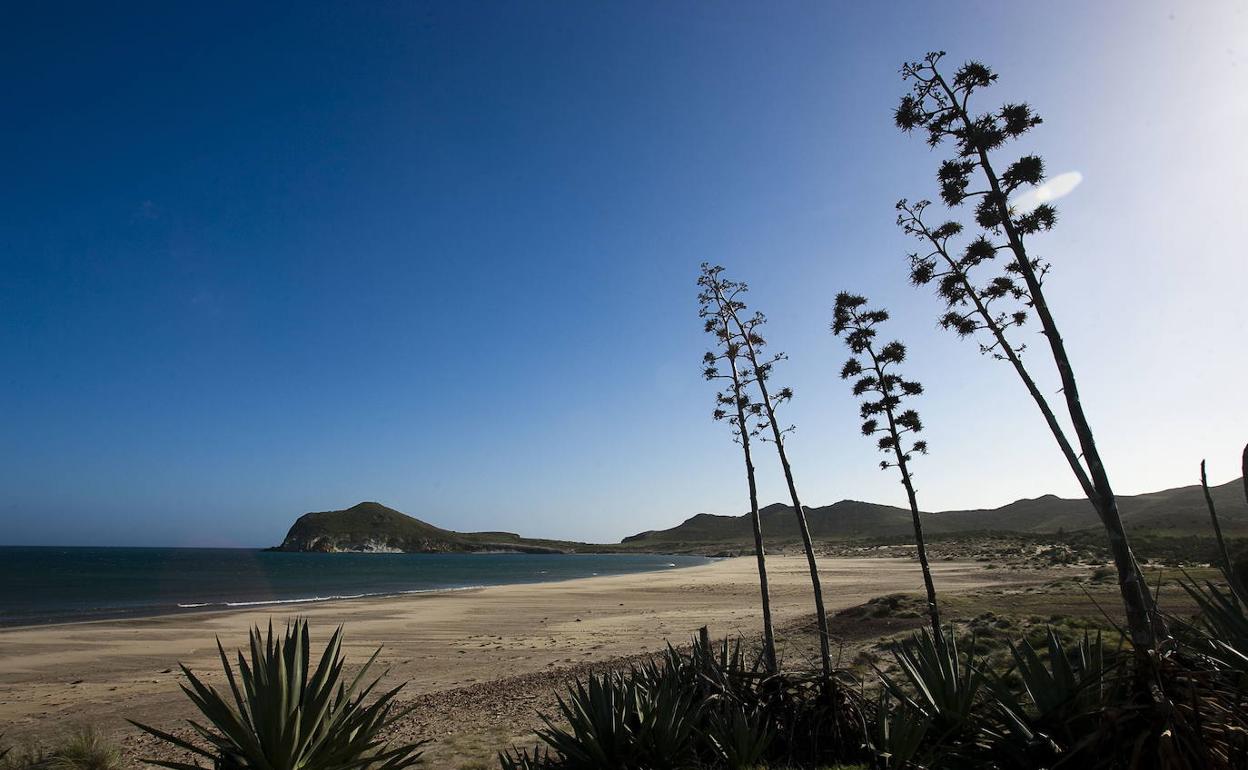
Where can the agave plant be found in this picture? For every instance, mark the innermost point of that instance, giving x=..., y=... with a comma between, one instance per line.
x=899, y=733
x=1070, y=680
x=288, y=716
x=721, y=672
x=937, y=681
x=518, y=758
x=1222, y=626
x=1063, y=692
x=709, y=705
x=740, y=737
x=939, y=684
x=626, y=720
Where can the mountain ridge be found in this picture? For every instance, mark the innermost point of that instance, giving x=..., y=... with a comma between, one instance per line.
x=1180, y=511
x=373, y=527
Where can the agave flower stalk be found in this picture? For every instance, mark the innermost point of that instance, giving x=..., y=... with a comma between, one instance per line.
x=747, y=331
x=733, y=405
x=884, y=391
x=941, y=107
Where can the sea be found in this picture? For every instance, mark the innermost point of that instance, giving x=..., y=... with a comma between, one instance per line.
x=40, y=585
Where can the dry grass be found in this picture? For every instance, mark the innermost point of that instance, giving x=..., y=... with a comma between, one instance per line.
x=83, y=750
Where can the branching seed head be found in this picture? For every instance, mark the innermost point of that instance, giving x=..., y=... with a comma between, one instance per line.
x=876, y=382
x=738, y=360
x=942, y=107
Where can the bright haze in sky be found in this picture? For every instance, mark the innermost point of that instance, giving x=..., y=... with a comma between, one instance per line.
x=256, y=261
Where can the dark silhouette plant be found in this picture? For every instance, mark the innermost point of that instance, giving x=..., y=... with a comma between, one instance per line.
x=285, y=711
x=733, y=405
x=1233, y=579
x=941, y=107
x=759, y=365
x=883, y=390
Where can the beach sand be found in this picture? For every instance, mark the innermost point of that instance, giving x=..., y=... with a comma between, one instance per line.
x=448, y=647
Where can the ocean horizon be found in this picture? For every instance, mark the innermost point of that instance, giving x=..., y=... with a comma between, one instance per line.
x=57, y=584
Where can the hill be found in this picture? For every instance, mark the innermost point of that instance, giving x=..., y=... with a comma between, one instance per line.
x=1172, y=512
x=374, y=528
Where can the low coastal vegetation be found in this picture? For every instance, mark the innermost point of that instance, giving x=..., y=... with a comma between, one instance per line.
x=991, y=693
x=85, y=749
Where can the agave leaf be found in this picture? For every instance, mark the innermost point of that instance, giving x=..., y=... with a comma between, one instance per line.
x=217, y=710
x=359, y=677
x=175, y=740
x=229, y=675
x=305, y=653
x=172, y=765
x=899, y=732
x=324, y=669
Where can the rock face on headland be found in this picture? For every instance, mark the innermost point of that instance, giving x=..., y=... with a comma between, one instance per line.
x=374, y=528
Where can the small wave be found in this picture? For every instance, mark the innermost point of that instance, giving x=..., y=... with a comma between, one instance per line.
x=439, y=590
x=671, y=564
x=303, y=600
x=334, y=597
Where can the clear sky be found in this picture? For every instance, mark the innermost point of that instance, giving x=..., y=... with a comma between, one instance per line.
x=260, y=261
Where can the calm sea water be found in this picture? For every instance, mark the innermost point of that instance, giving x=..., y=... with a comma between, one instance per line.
x=49, y=585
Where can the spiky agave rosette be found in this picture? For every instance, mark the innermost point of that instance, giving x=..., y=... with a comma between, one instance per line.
x=283, y=715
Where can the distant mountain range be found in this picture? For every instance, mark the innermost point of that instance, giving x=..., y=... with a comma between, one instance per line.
x=1177, y=512
x=373, y=527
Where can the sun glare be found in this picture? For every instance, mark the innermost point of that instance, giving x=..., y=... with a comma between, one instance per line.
x=1057, y=187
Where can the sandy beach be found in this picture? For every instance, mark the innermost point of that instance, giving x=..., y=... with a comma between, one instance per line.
x=55, y=677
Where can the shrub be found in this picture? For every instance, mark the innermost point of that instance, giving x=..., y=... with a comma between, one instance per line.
x=287, y=716
x=12, y=758
x=82, y=750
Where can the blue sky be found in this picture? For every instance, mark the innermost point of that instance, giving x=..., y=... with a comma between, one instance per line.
x=442, y=255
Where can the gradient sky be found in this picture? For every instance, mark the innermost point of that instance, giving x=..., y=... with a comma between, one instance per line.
x=257, y=262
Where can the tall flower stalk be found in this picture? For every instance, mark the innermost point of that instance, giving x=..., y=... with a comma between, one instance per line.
x=941, y=107
x=733, y=405
x=746, y=329
x=883, y=390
